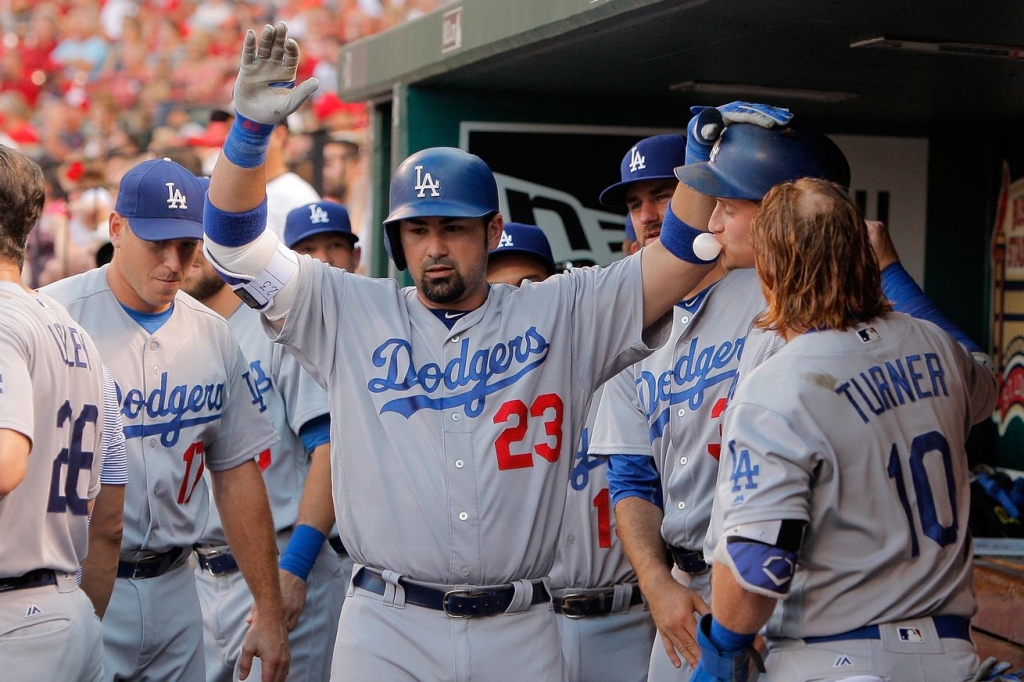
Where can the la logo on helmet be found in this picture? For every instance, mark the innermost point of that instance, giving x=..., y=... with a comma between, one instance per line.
x=175, y=199
x=424, y=181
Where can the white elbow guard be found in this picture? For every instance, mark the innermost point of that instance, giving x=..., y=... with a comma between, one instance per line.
x=273, y=263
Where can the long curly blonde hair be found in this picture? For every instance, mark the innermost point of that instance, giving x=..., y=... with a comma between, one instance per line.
x=813, y=256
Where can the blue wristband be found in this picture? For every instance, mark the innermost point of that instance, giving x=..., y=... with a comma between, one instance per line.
x=677, y=237
x=234, y=229
x=247, y=142
x=727, y=640
x=302, y=550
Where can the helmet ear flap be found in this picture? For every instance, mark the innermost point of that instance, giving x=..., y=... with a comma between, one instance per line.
x=393, y=245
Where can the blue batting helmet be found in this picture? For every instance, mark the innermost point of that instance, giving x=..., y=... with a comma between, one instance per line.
x=438, y=182
x=748, y=160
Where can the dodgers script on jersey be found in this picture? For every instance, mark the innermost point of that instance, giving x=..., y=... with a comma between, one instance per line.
x=861, y=434
x=281, y=389
x=43, y=521
x=459, y=442
x=670, y=404
x=175, y=388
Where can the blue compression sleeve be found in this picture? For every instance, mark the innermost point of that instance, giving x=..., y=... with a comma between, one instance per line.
x=316, y=431
x=302, y=550
x=634, y=476
x=900, y=288
x=234, y=229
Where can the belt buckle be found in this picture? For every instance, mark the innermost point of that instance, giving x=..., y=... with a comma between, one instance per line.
x=567, y=602
x=137, y=566
x=457, y=593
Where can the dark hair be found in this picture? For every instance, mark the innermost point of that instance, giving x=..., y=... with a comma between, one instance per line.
x=21, y=202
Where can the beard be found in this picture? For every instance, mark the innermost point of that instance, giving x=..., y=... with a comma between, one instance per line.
x=442, y=291
x=203, y=285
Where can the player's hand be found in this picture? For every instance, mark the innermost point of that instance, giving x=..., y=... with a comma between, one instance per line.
x=266, y=639
x=293, y=589
x=708, y=123
x=881, y=244
x=672, y=607
x=265, y=89
x=992, y=670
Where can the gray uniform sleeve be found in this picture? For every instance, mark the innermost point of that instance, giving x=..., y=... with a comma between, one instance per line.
x=621, y=426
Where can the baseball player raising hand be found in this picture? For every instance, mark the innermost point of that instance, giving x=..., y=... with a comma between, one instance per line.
x=462, y=404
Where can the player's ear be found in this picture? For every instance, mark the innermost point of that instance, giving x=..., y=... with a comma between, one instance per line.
x=494, y=230
x=115, y=223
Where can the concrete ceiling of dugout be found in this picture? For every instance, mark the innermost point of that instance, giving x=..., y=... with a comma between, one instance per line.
x=636, y=50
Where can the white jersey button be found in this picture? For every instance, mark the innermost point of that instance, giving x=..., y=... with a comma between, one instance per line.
x=459, y=464
x=455, y=339
x=152, y=442
x=153, y=345
x=571, y=539
x=463, y=516
x=684, y=319
x=456, y=417
x=683, y=460
x=681, y=412
x=465, y=571
x=156, y=370
x=681, y=505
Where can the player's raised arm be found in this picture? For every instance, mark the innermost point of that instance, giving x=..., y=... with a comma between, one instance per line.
x=237, y=243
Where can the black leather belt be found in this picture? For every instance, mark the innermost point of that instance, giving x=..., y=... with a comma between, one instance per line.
x=591, y=604
x=218, y=561
x=689, y=561
x=337, y=545
x=151, y=566
x=43, y=576
x=456, y=603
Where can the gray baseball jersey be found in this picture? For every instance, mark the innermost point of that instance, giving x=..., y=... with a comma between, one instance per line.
x=448, y=431
x=185, y=405
x=861, y=434
x=670, y=404
x=458, y=447
x=51, y=392
x=279, y=387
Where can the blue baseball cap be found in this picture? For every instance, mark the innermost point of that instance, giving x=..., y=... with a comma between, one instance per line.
x=630, y=230
x=316, y=218
x=525, y=239
x=652, y=158
x=162, y=200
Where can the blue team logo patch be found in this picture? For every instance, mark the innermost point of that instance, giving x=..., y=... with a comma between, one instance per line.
x=467, y=379
x=259, y=384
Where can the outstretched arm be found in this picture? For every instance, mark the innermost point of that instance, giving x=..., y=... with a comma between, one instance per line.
x=250, y=257
x=670, y=268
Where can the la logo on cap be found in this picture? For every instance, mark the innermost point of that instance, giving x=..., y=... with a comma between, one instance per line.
x=425, y=181
x=175, y=199
x=505, y=241
x=318, y=215
x=636, y=160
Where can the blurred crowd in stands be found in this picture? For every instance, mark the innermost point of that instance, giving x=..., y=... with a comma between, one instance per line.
x=91, y=87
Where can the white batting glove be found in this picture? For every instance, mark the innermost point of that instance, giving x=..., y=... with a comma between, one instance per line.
x=265, y=89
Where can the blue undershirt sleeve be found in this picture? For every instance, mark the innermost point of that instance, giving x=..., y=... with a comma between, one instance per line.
x=634, y=476
x=315, y=432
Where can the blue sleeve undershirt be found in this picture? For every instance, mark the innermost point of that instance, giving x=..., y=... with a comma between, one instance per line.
x=634, y=476
x=315, y=432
